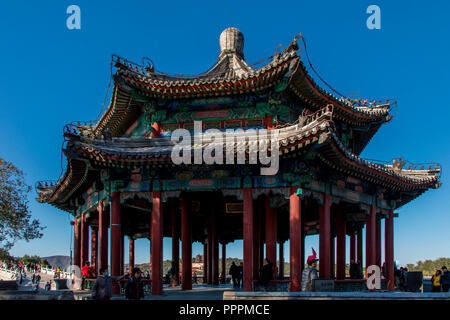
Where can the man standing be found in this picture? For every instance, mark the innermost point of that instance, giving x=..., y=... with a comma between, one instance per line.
x=102, y=288
x=241, y=274
x=445, y=279
x=266, y=274
x=134, y=289
x=234, y=273
x=38, y=279
x=310, y=273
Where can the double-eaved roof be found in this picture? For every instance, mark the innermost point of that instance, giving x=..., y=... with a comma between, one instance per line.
x=232, y=75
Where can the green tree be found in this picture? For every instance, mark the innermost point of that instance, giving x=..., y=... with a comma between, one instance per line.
x=16, y=222
x=30, y=259
x=44, y=262
x=4, y=255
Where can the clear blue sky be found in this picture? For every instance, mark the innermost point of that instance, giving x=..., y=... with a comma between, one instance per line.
x=51, y=76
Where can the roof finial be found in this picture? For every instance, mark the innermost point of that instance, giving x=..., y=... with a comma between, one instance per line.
x=232, y=41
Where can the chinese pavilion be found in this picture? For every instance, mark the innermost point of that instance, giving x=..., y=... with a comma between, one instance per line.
x=120, y=177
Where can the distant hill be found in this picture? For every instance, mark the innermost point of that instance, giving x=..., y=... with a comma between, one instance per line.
x=58, y=261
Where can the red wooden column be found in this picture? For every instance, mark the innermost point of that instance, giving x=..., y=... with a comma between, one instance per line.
x=224, y=262
x=256, y=236
x=94, y=247
x=122, y=250
x=324, y=238
x=352, y=247
x=332, y=255
x=157, y=244
x=116, y=236
x=77, y=243
x=131, y=255
x=302, y=245
x=186, y=243
x=271, y=235
x=378, y=243
x=359, y=247
x=340, y=247
x=295, y=225
x=389, y=249
x=215, y=246
x=281, y=260
x=248, y=240
x=102, y=236
x=210, y=253
x=84, y=240
x=262, y=234
x=175, y=242
x=205, y=262
x=371, y=237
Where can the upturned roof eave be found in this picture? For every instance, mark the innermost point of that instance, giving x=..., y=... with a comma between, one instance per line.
x=97, y=150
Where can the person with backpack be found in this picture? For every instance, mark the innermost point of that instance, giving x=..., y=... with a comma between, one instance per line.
x=310, y=273
x=102, y=288
x=134, y=289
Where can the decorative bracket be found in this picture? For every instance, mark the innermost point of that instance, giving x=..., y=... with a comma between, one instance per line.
x=136, y=195
x=170, y=194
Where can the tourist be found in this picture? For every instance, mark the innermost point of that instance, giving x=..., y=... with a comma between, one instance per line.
x=48, y=286
x=33, y=278
x=353, y=270
x=436, y=281
x=194, y=278
x=234, y=273
x=38, y=279
x=87, y=272
x=402, y=284
x=358, y=270
x=310, y=273
x=102, y=288
x=241, y=274
x=266, y=273
x=445, y=279
x=134, y=289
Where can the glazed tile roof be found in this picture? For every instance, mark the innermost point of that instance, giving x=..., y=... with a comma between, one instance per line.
x=318, y=130
x=230, y=75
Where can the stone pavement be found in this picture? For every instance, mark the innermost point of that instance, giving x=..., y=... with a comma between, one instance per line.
x=27, y=285
x=198, y=292
x=335, y=296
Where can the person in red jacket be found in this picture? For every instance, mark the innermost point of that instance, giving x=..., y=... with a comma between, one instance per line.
x=87, y=272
